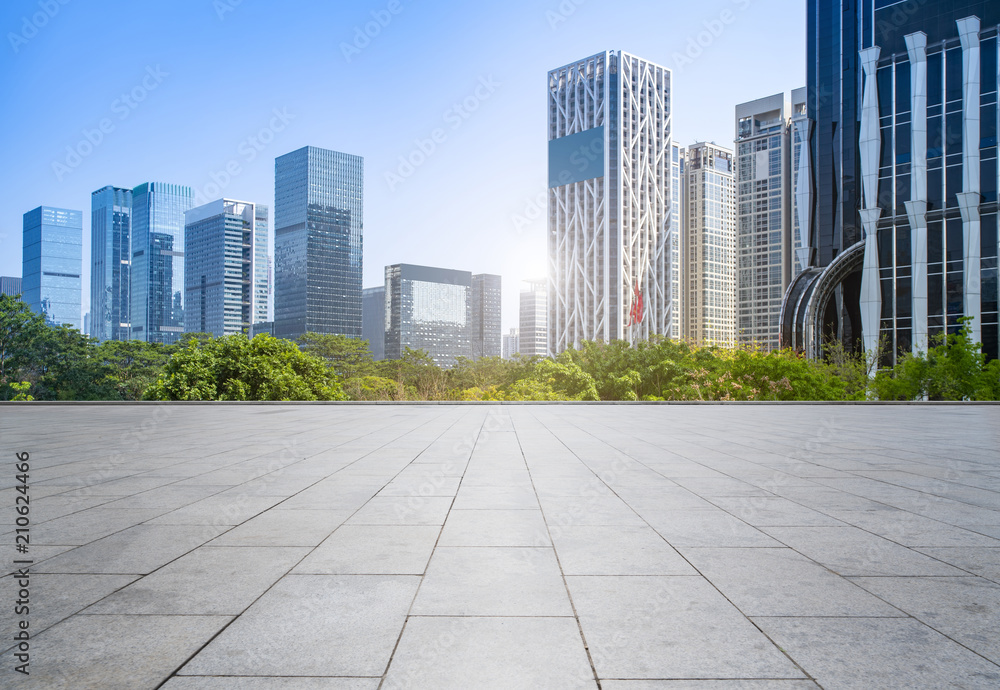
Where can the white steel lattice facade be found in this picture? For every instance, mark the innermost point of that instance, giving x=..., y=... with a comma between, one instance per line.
x=610, y=213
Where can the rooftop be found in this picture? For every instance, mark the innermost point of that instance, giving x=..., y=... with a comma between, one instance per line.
x=627, y=547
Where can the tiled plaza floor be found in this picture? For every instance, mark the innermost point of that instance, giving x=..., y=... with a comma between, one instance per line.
x=328, y=547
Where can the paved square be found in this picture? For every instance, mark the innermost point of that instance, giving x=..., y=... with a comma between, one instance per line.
x=626, y=547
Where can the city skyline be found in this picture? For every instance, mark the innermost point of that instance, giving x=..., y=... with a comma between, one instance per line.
x=477, y=195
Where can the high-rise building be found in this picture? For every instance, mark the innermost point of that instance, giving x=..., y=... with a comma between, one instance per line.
x=52, y=261
x=318, y=223
x=10, y=285
x=225, y=267
x=533, y=335
x=772, y=133
x=510, y=344
x=486, y=313
x=674, y=241
x=610, y=206
x=428, y=309
x=905, y=159
x=156, y=287
x=709, y=245
x=110, y=263
x=373, y=320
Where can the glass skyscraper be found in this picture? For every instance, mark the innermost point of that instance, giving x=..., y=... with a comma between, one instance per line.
x=373, y=320
x=110, y=263
x=533, y=315
x=486, y=312
x=52, y=262
x=318, y=228
x=610, y=206
x=10, y=285
x=904, y=99
x=157, y=284
x=428, y=309
x=225, y=267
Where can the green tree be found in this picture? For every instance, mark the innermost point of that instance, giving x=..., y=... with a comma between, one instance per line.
x=132, y=366
x=65, y=366
x=19, y=329
x=350, y=357
x=416, y=372
x=237, y=368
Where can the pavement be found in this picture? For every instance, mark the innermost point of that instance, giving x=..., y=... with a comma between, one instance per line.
x=625, y=547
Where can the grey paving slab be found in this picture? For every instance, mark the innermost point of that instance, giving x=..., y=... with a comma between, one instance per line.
x=916, y=530
x=492, y=581
x=140, y=549
x=782, y=582
x=978, y=561
x=207, y=581
x=487, y=497
x=966, y=609
x=772, y=510
x=269, y=683
x=495, y=528
x=710, y=527
x=313, y=625
x=112, y=652
x=589, y=510
x=373, y=550
x=399, y=510
x=455, y=653
x=671, y=627
x=879, y=653
x=222, y=509
x=617, y=550
x=284, y=528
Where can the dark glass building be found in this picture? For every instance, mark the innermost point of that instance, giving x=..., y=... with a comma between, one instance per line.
x=10, y=285
x=318, y=224
x=486, y=312
x=904, y=153
x=110, y=263
x=373, y=320
x=157, y=282
x=52, y=261
x=428, y=309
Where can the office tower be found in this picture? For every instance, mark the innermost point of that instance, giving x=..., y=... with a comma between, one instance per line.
x=485, y=336
x=610, y=167
x=225, y=267
x=510, y=344
x=533, y=334
x=771, y=135
x=52, y=261
x=373, y=320
x=318, y=222
x=156, y=287
x=428, y=309
x=905, y=158
x=709, y=245
x=110, y=263
x=675, y=232
x=10, y=285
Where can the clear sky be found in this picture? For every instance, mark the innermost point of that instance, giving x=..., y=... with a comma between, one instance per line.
x=188, y=88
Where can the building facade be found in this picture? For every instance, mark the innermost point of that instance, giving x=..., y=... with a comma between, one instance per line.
x=52, y=263
x=772, y=134
x=156, y=287
x=533, y=315
x=318, y=228
x=373, y=320
x=110, y=263
x=10, y=285
x=709, y=245
x=225, y=267
x=486, y=313
x=428, y=309
x=510, y=344
x=609, y=202
x=904, y=150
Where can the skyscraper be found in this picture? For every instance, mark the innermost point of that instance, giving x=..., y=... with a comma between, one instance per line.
x=110, y=263
x=373, y=320
x=52, y=261
x=905, y=158
x=428, y=309
x=533, y=313
x=225, y=268
x=772, y=136
x=709, y=247
x=10, y=285
x=318, y=224
x=610, y=206
x=157, y=278
x=510, y=344
x=486, y=312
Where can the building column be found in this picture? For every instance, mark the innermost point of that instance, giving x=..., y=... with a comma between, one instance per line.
x=968, y=201
x=870, y=142
x=916, y=209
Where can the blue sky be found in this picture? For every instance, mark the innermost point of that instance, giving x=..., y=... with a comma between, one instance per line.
x=207, y=93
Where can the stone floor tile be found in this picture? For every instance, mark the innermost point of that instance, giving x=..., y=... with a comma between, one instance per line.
x=373, y=550
x=618, y=550
x=495, y=528
x=284, y=528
